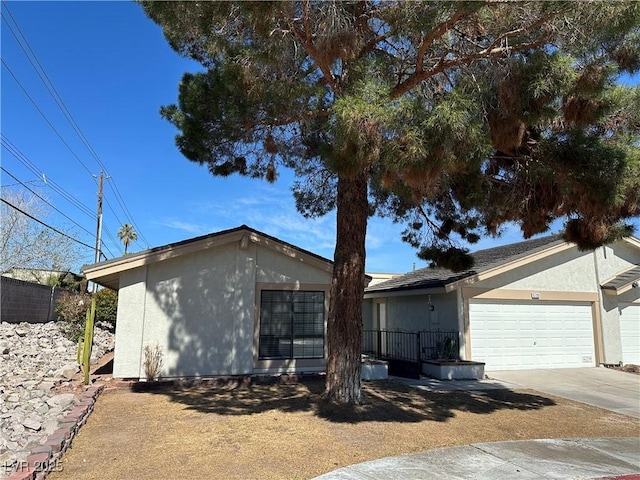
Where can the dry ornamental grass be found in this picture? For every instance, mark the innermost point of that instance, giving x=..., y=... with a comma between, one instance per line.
x=286, y=431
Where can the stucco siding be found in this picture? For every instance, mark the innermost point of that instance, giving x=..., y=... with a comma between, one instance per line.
x=367, y=315
x=200, y=310
x=275, y=267
x=609, y=318
x=129, y=324
x=611, y=261
x=569, y=270
x=413, y=313
x=616, y=258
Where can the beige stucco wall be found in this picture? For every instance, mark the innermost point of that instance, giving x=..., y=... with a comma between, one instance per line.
x=129, y=324
x=413, y=313
x=569, y=275
x=367, y=314
x=569, y=270
x=276, y=267
x=612, y=260
x=200, y=308
x=573, y=270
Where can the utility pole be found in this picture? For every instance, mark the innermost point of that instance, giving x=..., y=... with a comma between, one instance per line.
x=99, y=227
x=91, y=312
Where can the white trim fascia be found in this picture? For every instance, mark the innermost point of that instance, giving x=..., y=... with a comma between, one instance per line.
x=144, y=258
x=404, y=293
x=634, y=241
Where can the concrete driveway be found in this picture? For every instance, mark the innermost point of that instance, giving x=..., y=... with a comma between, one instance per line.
x=599, y=386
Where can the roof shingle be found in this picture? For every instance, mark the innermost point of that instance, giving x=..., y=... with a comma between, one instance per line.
x=483, y=260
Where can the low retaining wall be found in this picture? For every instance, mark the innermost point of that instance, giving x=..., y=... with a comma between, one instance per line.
x=453, y=370
x=374, y=370
x=46, y=458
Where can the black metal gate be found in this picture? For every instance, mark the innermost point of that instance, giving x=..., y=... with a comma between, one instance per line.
x=405, y=351
x=400, y=349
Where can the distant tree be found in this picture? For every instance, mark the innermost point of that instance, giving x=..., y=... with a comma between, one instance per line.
x=452, y=117
x=127, y=234
x=25, y=243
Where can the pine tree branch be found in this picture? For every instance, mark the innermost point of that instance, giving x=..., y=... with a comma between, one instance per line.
x=520, y=31
x=441, y=66
x=436, y=33
x=305, y=37
x=491, y=51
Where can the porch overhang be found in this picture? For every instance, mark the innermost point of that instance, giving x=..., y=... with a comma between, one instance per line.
x=622, y=282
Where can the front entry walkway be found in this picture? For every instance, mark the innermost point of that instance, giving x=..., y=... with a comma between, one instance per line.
x=598, y=386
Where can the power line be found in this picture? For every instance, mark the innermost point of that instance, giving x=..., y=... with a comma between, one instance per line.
x=22, y=158
x=48, y=84
x=24, y=90
x=44, y=200
x=44, y=224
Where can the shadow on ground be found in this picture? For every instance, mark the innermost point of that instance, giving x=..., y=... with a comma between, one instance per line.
x=385, y=401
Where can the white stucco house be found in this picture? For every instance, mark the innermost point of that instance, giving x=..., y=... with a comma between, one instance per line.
x=235, y=302
x=541, y=303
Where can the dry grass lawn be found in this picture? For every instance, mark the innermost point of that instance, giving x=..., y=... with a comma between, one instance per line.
x=285, y=431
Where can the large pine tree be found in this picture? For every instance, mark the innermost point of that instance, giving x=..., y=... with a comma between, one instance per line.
x=453, y=117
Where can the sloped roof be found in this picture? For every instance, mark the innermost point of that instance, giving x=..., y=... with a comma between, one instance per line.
x=107, y=273
x=485, y=260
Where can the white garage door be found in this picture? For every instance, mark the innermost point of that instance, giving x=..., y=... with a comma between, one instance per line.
x=517, y=336
x=630, y=333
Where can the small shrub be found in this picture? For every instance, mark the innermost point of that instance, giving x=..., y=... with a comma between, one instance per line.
x=106, y=306
x=152, y=361
x=72, y=308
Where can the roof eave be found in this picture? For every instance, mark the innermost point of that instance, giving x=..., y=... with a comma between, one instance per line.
x=504, y=267
x=108, y=273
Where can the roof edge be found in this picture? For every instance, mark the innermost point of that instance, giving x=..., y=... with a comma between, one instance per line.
x=177, y=249
x=515, y=263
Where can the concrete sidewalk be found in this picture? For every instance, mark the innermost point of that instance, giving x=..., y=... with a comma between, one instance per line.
x=575, y=459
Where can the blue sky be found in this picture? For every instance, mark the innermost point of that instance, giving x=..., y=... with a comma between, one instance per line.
x=113, y=70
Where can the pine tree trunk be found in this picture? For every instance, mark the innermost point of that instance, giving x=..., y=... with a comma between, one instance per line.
x=344, y=326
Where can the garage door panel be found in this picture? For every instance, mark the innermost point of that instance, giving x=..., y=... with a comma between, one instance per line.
x=509, y=336
x=630, y=334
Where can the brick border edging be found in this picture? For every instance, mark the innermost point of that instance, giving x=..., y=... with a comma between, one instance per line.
x=46, y=457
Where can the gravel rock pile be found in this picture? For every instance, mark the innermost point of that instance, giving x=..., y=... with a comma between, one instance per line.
x=34, y=358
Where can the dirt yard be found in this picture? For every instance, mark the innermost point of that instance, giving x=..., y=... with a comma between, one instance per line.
x=285, y=431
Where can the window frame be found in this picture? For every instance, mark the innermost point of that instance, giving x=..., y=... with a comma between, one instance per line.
x=300, y=305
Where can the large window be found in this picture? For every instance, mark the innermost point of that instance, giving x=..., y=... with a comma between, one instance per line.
x=291, y=324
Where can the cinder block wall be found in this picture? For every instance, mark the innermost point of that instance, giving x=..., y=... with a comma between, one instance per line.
x=22, y=301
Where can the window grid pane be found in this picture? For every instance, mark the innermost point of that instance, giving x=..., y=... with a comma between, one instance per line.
x=291, y=324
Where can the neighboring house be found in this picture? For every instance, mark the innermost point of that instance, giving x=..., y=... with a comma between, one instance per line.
x=536, y=304
x=229, y=303
x=43, y=276
x=377, y=278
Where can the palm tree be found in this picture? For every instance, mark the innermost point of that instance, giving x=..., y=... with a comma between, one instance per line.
x=127, y=234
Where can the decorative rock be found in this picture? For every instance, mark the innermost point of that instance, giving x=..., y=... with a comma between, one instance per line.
x=33, y=358
x=69, y=371
x=32, y=422
x=62, y=400
x=21, y=331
